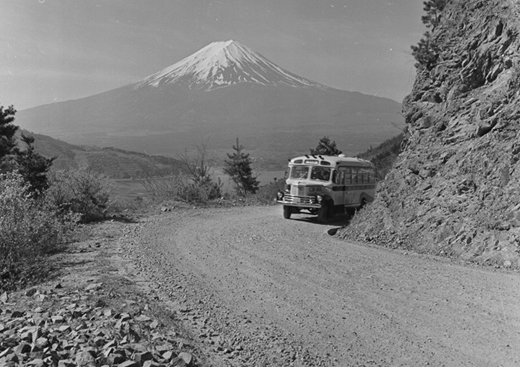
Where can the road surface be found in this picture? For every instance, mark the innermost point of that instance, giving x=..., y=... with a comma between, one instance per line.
x=270, y=291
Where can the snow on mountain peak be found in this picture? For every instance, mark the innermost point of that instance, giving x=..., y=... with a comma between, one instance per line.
x=220, y=64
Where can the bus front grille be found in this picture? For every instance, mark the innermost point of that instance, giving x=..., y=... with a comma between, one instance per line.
x=293, y=199
x=298, y=190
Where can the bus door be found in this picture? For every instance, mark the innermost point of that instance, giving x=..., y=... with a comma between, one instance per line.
x=341, y=194
x=351, y=193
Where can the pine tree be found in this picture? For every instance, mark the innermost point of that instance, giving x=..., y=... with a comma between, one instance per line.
x=426, y=52
x=238, y=168
x=326, y=147
x=31, y=165
x=433, y=9
x=8, y=146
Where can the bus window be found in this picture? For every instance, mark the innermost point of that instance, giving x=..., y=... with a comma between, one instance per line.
x=363, y=175
x=354, y=175
x=299, y=172
x=320, y=173
x=347, y=179
x=348, y=175
x=340, y=177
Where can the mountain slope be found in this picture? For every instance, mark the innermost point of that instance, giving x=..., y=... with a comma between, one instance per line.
x=455, y=189
x=113, y=162
x=222, y=92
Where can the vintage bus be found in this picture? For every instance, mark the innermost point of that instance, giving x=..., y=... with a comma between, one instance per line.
x=325, y=185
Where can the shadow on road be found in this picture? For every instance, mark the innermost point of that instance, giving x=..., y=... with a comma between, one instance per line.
x=341, y=220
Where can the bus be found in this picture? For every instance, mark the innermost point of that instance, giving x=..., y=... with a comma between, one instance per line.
x=325, y=185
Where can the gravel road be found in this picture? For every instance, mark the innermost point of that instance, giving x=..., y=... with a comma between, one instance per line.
x=261, y=290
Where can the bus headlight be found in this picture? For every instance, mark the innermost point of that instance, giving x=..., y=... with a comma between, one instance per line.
x=279, y=195
x=319, y=199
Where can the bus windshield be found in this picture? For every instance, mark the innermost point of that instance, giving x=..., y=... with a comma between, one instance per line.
x=300, y=172
x=320, y=173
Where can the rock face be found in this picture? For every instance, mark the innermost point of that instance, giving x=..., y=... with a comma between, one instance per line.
x=455, y=189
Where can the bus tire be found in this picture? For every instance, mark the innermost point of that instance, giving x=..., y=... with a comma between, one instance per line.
x=323, y=213
x=287, y=212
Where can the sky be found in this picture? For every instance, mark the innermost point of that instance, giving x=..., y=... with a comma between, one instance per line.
x=57, y=50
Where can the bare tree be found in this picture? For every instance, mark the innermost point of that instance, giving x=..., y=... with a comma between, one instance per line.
x=197, y=166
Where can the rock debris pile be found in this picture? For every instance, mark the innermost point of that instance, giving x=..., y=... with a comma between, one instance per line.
x=66, y=329
x=455, y=189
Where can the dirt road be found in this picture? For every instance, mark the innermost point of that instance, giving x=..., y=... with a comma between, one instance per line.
x=262, y=290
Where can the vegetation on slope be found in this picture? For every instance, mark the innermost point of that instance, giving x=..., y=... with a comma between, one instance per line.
x=112, y=162
x=38, y=209
x=384, y=155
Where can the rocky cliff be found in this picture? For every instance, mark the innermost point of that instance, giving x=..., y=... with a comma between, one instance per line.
x=455, y=189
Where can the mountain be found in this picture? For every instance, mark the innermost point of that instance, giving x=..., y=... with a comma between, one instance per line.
x=222, y=64
x=113, y=162
x=219, y=93
x=454, y=190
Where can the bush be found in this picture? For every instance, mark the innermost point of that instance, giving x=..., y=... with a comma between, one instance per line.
x=80, y=191
x=267, y=193
x=28, y=228
x=183, y=188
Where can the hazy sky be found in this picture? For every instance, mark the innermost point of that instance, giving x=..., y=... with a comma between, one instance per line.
x=55, y=50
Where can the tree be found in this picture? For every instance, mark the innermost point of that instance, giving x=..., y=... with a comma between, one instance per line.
x=326, y=147
x=238, y=168
x=200, y=185
x=8, y=146
x=433, y=9
x=31, y=165
x=426, y=53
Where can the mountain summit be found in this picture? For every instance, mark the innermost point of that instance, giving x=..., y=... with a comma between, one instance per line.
x=221, y=92
x=221, y=64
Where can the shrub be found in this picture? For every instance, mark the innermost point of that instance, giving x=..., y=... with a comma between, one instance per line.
x=183, y=188
x=267, y=193
x=28, y=227
x=80, y=191
x=200, y=191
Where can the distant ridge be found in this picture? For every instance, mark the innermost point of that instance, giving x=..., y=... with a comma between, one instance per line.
x=113, y=162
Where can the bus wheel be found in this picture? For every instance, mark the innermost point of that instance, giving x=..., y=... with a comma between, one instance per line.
x=322, y=213
x=287, y=212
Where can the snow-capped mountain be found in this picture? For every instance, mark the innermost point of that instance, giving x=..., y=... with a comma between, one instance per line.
x=219, y=93
x=222, y=64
